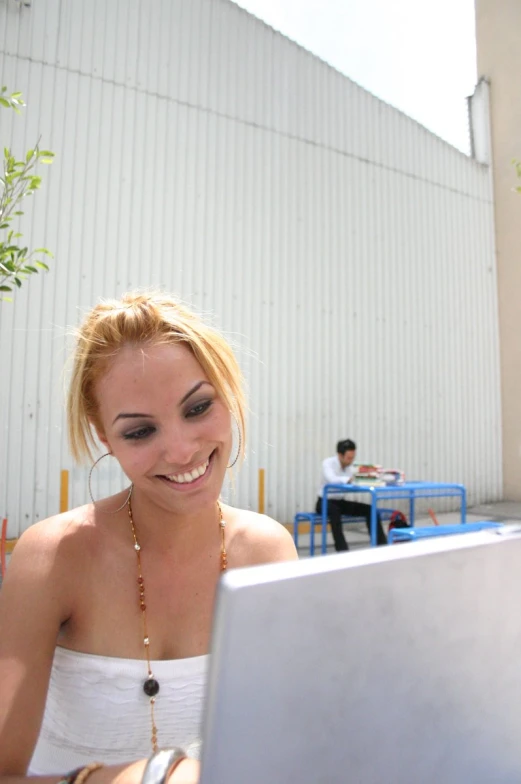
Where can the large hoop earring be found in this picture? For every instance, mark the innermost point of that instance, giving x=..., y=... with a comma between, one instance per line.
x=240, y=441
x=127, y=499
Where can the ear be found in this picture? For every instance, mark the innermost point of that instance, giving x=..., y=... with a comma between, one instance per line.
x=102, y=438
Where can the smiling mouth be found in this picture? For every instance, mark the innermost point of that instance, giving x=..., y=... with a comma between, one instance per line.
x=190, y=476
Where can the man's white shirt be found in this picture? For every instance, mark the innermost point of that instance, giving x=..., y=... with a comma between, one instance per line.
x=334, y=474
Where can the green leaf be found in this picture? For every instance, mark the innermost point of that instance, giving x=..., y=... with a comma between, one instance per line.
x=30, y=268
x=46, y=160
x=29, y=155
x=5, y=288
x=18, y=282
x=4, y=89
x=16, y=95
x=47, y=153
x=42, y=265
x=4, y=102
x=43, y=250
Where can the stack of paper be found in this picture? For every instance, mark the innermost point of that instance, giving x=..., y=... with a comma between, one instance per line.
x=377, y=476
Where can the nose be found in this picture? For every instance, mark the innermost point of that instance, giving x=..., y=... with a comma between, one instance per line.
x=181, y=445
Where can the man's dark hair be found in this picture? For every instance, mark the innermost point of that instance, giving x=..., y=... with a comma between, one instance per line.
x=345, y=446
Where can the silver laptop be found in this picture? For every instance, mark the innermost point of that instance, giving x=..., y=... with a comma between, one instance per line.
x=391, y=665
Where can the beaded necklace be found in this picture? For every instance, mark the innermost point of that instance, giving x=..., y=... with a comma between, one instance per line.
x=151, y=685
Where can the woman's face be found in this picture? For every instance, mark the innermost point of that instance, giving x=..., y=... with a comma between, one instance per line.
x=163, y=421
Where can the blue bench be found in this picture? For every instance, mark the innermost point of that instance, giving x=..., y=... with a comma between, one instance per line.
x=316, y=519
x=428, y=531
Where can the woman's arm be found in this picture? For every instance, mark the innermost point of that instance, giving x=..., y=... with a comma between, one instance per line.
x=35, y=599
x=187, y=772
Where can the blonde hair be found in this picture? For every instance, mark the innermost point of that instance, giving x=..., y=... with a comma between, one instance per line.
x=144, y=318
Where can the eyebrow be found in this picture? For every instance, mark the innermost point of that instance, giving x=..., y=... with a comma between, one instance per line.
x=193, y=391
x=132, y=416
x=137, y=415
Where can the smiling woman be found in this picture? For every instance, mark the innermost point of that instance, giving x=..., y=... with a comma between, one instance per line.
x=106, y=658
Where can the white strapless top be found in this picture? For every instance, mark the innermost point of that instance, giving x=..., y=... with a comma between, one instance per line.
x=96, y=710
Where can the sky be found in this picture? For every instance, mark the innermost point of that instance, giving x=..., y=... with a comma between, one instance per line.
x=418, y=55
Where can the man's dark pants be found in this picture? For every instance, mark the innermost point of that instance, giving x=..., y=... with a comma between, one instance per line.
x=338, y=507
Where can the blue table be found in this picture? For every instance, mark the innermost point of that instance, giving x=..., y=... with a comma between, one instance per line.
x=409, y=490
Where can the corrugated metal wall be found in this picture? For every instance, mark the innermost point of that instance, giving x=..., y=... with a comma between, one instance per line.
x=348, y=251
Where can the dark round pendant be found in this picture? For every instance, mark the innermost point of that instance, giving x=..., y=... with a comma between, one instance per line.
x=151, y=687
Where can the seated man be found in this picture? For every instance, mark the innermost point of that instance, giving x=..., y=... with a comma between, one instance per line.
x=338, y=470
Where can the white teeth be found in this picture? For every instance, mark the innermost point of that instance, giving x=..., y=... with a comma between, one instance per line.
x=182, y=479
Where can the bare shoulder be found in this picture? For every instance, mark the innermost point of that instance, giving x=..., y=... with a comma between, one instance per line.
x=47, y=538
x=257, y=539
x=52, y=546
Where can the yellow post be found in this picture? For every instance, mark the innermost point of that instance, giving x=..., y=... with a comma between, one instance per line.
x=64, y=491
x=261, y=491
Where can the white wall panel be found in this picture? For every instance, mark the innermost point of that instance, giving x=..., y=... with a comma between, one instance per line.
x=344, y=248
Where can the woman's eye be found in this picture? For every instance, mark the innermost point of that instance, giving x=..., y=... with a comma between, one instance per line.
x=199, y=408
x=137, y=435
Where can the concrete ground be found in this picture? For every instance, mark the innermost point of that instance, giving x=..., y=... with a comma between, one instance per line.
x=357, y=537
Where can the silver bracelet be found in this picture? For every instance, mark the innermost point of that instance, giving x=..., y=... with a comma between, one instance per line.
x=160, y=764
